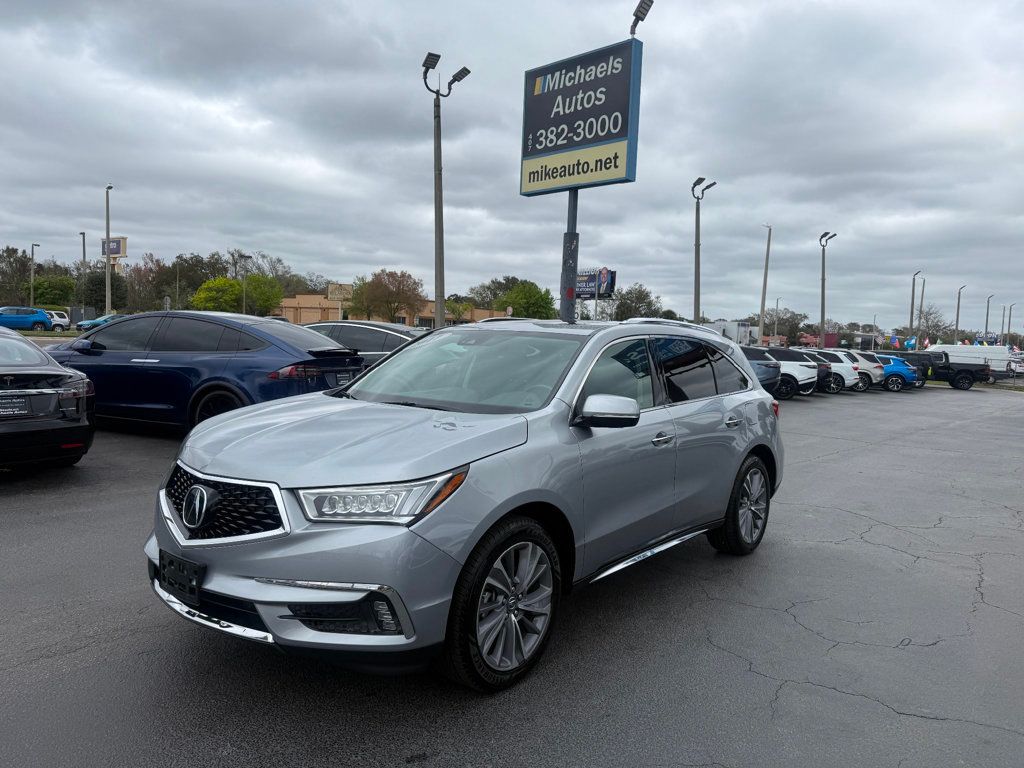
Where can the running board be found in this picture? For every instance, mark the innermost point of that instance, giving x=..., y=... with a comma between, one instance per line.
x=647, y=553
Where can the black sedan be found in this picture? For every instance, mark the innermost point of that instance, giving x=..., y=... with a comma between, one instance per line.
x=46, y=410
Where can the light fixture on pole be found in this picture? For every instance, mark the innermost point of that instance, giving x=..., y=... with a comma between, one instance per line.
x=429, y=63
x=764, y=283
x=913, y=292
x=956, y=323
x=642, y=9
x=697, y=196
x=106, y=253
x=32, y=276
x=987, y=303
x=823, y=241
x=775, y=330
x=246, y=258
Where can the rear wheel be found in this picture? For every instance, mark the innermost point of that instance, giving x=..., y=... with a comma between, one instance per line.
x=785, y=389
x=919, y=383
x=213, y=404
x=503, y=606
x=835, y=384
x=747, y=515
x=894, y=383
x=59, y=328
x=863, y=382
x=38, y=327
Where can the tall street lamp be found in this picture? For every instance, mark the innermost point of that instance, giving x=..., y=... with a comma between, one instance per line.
x=913, y=290
x=764, y=283
x=698, y=196
x=429, y=62
x=920, y=311
x=1002, y=323
x=81, y=280
x=823, y=241
x=246, y=258
x=32, y=276
x=956, y=324
x=987, y=302
x=106, y=250
x=1009, y=336
x=775, y=330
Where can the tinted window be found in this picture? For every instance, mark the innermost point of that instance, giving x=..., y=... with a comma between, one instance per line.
x=728, y=377
x=832, y=357
x=295, y=335
x=127, y=334
x=393, y=341
x=624, y=370
x=228, y=340
x=755, y=354
x=183, y=334
x=361, y=339
x=15, y=352
x=247, y=342
x=869, y=358
x=786, y=355
x=850, y=357
x=687, y=369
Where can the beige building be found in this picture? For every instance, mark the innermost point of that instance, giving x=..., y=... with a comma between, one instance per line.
x=315, y=308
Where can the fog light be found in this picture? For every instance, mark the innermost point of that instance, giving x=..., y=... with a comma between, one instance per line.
x=384, y=618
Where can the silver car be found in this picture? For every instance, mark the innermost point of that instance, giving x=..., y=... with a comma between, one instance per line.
x=440, y=506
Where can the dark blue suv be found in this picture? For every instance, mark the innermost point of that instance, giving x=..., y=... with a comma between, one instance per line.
x=183, y=367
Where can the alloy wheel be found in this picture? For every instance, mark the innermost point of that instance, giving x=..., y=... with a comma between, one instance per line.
x=834, y=385
x=515, y=606
x=215, y=404
x=753, y=505
x=894, y=384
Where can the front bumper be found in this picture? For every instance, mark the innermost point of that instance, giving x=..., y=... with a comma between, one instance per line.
x=250, y=588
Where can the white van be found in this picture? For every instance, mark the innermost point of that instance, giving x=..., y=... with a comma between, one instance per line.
x=999, y=358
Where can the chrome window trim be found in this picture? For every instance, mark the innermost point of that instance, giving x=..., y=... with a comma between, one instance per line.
x=209, y=621
x=579, y=389
x=353, y=324
x=171, y=518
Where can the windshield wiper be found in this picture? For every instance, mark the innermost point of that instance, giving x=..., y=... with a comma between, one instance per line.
x=343, y=393
x=413, y=404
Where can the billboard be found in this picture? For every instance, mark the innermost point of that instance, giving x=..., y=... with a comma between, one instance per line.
x=595, y=283
x=118, y=246
x=580, y=119
x=340, y=292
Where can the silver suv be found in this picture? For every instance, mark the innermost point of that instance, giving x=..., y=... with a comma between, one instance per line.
x=441, y=505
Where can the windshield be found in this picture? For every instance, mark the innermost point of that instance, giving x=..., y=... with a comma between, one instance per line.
x=472, y=371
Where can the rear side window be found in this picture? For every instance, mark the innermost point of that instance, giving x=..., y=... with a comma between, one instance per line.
x=832, y=357
x=393, y=341
x=184, y=334
x=728, y=377
x=851, y=358
x=754, y=354
x=295, y=335
x=361, y=339
x=228, y=340
x=686, y=368
x=869, y=358
x=787, y=356
x=623, y=369
x=249, y=343
x=130, y=334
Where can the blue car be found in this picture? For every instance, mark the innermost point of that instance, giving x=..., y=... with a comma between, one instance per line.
x=88, y=325
x=899, y=374
x=25, y=319
x=184, y=367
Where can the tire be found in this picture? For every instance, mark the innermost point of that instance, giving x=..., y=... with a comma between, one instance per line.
x=919, y=384
x=214, y=403
x=894, y=383
x=59, y=328
x=38, y=327
x=785, y=389
x=991, y=380
x=468, y=658
x=744, y=525
x=810, y=389
x=835, y=384
x=863, y=383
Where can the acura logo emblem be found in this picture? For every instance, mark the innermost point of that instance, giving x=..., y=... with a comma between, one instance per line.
x=194, y=509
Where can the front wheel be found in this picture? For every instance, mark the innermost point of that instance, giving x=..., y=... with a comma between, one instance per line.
x=963, y=381
x=835, y=384
x=785, y=389
x=919, y=384
x=747, y=516
x=894, y=383
x=503, y=607
x=809, y=389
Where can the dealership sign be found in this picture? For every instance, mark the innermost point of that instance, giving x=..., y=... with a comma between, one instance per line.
x=595, y=283
x=580, y=119
x=115, y=247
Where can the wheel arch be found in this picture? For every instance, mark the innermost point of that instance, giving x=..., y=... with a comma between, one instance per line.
x=767, y=457
x=211, y=386
x=556, y=523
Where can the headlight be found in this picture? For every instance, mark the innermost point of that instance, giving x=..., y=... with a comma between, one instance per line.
x=398, y=503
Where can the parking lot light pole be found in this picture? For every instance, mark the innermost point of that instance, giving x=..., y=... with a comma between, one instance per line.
x=246, y=258
x=698, y=196
x=106, y=250
x=764, y=283
x=956, y=323
x=1002, y=324
x=32, y=276
x=775, y=330
x=1009, y=337
x=874, y=331
x=82, y=279
x=987, y=303
x=429, y=62
x=920, y=311
x=823, y=241
x=913, y=291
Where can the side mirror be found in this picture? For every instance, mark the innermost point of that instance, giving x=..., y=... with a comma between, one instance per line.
x=85, y=346
x=608, y=411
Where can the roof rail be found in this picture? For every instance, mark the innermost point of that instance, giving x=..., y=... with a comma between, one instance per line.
x=666, y=321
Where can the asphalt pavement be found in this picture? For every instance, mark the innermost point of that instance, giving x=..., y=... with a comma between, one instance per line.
x=879, y=624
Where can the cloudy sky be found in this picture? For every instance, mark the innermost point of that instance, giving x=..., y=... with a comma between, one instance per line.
x=303, y=129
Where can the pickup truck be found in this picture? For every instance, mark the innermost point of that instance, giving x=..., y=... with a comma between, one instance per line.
x=938, y=367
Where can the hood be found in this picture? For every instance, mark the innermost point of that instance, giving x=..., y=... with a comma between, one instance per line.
x=318, y=440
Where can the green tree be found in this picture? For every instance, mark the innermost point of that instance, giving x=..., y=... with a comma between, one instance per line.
x=362, y=302
x=262, y=294
x=486, y=294
x=219, y=294
x=59, y=290
x=669, y=314
x=458, y=309
x=96, y=291
x=527, y=300
x=394, y=293
x=636, y=301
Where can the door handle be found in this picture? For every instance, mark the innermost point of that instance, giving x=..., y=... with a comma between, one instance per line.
x=732, y=422
x=662, y=439
x=143, y=360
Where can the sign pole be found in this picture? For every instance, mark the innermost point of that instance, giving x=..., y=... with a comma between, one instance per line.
x=570, y=256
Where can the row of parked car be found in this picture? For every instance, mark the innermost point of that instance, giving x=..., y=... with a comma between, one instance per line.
x=789, y=371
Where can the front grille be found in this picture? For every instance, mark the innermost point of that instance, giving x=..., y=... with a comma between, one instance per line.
x=239, y=509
